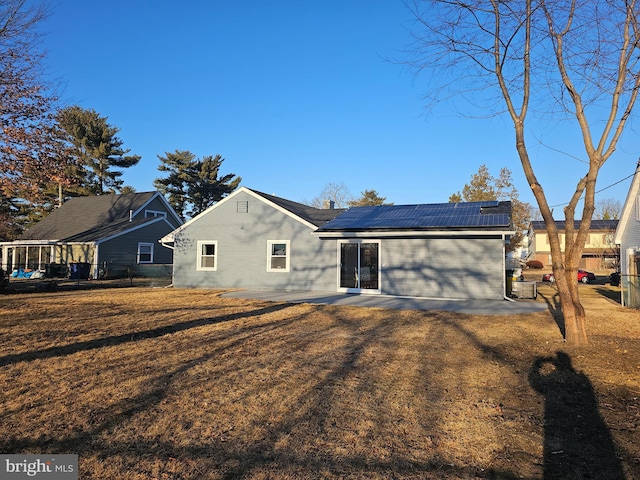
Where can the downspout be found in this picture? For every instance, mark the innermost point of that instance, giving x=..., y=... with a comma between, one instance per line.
x=172, y=265
x=504, y=270
x=96, y=263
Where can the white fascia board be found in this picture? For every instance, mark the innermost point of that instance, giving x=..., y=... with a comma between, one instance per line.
x=170, y=237
x=625, y=218
x=413, y=233
x=129, y=230
x=281, y=209
x=166, y=204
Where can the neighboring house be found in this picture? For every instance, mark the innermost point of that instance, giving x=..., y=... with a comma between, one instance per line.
x=628, y=238
x=111, y=233
x=259, y=241
x=600, y=251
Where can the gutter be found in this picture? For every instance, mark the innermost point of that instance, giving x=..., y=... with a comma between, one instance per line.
x=172, y=247
x=408, y=233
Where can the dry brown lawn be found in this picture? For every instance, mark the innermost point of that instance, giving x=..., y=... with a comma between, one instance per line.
x=172, y=384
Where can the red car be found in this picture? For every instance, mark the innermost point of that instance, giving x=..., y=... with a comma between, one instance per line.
x=583, y=276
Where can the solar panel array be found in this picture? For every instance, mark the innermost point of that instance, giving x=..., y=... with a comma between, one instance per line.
x=426, y=216
x=595, y=224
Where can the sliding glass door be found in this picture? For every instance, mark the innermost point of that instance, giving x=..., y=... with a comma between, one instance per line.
x=359, y=266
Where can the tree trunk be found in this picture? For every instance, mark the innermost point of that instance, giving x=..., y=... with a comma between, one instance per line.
x=573, y=314
x=565, y=269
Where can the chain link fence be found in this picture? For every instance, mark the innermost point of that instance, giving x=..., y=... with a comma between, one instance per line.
x=56, y=277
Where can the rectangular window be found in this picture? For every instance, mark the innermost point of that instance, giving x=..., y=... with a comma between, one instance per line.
x=207, y=255
x=145, y=252
x=278, y=255
x=154, y=213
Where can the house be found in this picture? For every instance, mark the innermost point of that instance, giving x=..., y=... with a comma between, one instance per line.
x=259, y=241
x=107, y=233
x=627, y=236
x=600, y=251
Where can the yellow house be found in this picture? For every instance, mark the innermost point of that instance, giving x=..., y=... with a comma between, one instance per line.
x=600, y=251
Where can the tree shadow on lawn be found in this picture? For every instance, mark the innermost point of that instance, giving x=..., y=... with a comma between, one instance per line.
x=310, y=415
x=555, y=309
x=577, y=442
x=312, y=411
x=130, y=337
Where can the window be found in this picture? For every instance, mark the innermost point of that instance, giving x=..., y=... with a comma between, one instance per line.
x=154, y=213
x=145, y=252
x=277, y=255
x=207, y=255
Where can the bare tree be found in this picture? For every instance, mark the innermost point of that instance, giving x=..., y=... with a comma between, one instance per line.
x=575, y=59
x=608, y=209
x=338, y=193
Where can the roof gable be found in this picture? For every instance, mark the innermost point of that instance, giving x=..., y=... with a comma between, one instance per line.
x=491, y=215
x=309, y=216
x=88, y=217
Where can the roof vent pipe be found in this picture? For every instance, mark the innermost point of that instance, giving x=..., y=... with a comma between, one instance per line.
x=329, y=204
x=131, y=215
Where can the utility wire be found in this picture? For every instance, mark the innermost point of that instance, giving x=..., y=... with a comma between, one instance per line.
x=602, y=189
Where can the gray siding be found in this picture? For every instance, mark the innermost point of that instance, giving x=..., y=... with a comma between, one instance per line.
x=123, y=250
x=630, y=238
x=439, y=267
x=443, y=267
x=242, y=250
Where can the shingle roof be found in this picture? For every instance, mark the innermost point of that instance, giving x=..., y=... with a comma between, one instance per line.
x=491, y=215
x=316, y=216
x=109, y=230
x=538, y=225
x=87, y=217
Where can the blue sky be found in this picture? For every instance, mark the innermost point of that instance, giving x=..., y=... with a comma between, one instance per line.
x=294, y=95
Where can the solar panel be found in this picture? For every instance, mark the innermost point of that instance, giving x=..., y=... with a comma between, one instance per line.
x=426, y=216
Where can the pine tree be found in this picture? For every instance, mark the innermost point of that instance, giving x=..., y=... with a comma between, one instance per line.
x=192, y=185
x=97, y=149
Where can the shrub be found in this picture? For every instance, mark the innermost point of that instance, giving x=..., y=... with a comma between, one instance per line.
x=536, y=264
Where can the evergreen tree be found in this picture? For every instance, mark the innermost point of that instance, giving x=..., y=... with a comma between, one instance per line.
x=173, y=186
x=97, y=149
x=204, y=188
x=369, y=198
x=484, y=187
x=192, y=185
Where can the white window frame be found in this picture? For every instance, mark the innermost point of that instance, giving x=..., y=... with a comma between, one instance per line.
x=287, y=255
x=199, y=255
x=154, y=213
x=144, y=244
